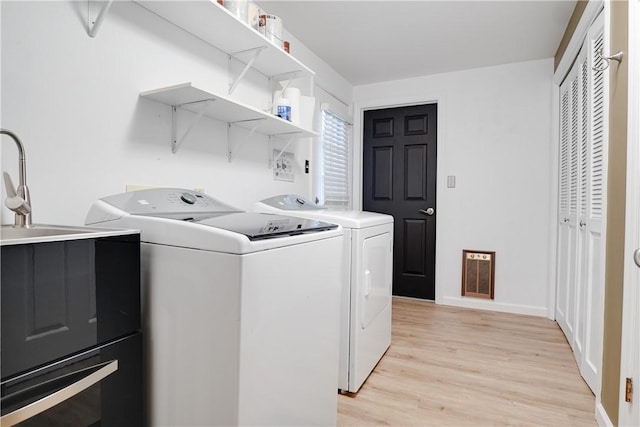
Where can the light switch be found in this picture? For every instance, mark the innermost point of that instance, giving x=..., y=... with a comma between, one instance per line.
x=451, y=181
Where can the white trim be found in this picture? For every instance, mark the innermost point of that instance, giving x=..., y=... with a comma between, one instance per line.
x=359, y=109
x=491, y=305
x=553, y=206
x=629, y=414
x=589, y=14
x=601, y=416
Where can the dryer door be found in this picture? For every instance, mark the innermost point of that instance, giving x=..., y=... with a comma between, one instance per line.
x=376, y=276
x=370, y=301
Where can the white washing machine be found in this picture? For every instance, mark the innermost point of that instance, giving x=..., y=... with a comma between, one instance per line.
x=365, y=333
x=240, y=310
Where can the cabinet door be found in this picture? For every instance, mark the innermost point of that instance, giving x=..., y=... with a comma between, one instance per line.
x=58, y=298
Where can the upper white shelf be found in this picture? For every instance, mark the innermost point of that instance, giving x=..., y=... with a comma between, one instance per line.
x=214, y=24
x=191, y=98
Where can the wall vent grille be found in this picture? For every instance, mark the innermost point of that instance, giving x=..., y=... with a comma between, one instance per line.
x=478, y=269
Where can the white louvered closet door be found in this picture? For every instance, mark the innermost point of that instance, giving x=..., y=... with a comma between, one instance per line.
x=569, y=167
x=581, y=117
x=563, y=278
x=582, y=185
x=595, y=225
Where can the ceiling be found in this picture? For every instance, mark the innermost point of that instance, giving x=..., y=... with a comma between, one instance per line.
x=373, y=41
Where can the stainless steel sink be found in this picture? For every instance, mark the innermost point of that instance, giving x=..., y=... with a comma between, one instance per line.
x=13, y=235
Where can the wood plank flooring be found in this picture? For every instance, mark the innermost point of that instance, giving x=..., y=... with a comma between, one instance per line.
x=451, y=366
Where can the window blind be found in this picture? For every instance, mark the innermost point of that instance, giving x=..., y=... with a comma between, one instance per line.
x=336, y=142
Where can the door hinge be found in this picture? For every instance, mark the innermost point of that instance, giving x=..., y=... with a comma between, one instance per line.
x=628, y=391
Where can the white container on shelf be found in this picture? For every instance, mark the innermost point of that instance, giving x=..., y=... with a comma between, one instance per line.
x=292, y=95
x=271, y=29
x=254, y=13
x=240, y=8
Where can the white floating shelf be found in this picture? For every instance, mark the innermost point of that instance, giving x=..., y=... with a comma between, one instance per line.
x=214, y=24
x=190, y=98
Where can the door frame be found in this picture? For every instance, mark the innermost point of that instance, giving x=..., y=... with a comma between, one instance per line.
x=630, y=351
x=358, y=146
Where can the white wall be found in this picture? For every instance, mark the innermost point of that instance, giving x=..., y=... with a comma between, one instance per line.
x=73, y=101
x=494, y=136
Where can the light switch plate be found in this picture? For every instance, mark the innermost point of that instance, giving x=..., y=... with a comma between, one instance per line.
x=451, y=181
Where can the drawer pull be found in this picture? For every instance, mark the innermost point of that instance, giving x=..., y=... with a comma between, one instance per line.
x=53, y=399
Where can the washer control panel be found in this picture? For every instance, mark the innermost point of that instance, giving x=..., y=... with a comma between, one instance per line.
x=169, y=202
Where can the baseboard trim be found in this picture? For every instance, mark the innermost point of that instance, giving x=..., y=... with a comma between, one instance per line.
x=601, y=416
x=495, y=306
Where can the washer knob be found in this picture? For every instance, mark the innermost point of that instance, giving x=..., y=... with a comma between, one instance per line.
x=188, y=198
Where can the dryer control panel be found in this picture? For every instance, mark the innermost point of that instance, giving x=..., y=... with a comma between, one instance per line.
x=292, y=202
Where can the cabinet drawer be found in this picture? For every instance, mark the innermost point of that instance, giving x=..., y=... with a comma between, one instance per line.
x=100, y=387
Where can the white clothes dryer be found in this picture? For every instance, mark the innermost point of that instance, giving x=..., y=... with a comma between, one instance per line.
x=240, y=310
x=365, y=333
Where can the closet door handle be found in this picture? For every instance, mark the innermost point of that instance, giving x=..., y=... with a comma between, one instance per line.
x=582, y=224
x=636, y=257
x=57, y=397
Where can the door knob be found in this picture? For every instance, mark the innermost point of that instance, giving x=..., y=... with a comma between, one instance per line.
x=428, y=211
x=636, y=257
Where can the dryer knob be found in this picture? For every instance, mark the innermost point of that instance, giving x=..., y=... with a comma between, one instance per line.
x=188, y=198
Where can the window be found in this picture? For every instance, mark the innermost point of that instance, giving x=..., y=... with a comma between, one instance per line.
x=336, y=159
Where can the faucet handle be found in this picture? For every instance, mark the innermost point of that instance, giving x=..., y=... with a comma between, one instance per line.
x=8, y=185
x=14, y=202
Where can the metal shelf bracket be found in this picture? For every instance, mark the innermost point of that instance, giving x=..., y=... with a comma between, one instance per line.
x=93, y=26
x=255, y=52
x=251, y=132
x=275, y=159
x=175, y=142
x=294, y=74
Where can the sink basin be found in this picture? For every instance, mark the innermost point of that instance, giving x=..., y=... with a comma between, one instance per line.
x=12, y=235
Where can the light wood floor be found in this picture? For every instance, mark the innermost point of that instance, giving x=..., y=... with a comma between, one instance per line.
x=453, y=367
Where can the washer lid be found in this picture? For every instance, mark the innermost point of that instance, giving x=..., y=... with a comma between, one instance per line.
x=291, y=202
x=258, y=226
